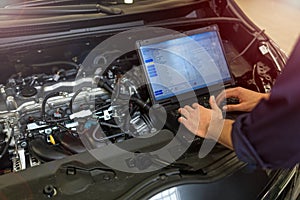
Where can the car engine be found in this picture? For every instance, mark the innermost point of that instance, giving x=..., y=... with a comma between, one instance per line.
x=47, y=116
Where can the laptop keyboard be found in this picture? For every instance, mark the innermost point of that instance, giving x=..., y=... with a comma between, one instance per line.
x=203, y=100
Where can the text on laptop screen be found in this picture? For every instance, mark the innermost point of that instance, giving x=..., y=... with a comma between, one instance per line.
x=184, y=64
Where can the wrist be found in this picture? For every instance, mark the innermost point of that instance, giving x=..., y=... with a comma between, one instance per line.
x=265, y=96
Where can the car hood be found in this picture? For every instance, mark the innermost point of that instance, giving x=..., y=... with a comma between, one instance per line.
x=32, y=38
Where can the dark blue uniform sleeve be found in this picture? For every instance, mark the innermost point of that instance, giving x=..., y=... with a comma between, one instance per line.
x=269, y=136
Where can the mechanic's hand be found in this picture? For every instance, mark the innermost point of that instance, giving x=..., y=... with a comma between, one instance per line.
x=206, y=123
x=248, y=99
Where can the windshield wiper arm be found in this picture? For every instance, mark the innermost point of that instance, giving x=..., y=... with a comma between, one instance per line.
x=35, y=3
x=62, y=10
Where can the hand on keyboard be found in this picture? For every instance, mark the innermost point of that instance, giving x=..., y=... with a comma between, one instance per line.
x=248, y=99
x=202, y=121
x=228, y=101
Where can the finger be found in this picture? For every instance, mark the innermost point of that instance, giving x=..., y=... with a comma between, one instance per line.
x=233, y=92
x=196, y=105
x=190, y=126
x=188, y=108
x=181, y=119
x=231, y=108
x=213, y=104
x=221, y=97
x=184, y=121
x=228, y=93
x=184, y=112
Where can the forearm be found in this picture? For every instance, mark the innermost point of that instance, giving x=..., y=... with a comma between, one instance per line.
x=225, y=137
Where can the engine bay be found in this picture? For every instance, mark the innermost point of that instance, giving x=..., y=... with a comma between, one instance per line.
x=57, y=101
x=50, y=105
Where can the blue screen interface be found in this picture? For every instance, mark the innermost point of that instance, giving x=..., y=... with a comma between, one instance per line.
x=184, y=64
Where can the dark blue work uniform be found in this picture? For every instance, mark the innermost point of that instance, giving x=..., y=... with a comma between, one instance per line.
x=269, y=136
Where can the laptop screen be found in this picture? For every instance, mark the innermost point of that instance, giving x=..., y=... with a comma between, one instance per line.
x=182, y=63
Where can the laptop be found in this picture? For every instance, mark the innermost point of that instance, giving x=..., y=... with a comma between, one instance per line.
x=184, y=66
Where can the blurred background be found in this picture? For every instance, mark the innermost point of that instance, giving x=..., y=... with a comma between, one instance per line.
x=279, y=18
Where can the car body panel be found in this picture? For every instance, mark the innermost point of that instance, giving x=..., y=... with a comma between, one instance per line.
x=26, y=40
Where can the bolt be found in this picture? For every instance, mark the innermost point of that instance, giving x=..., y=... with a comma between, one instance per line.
x=23, y=144
x=106, y=177
x=50, y=191
x=163, y=177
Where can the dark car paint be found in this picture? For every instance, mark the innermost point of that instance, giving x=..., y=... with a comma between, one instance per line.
x=219, y=174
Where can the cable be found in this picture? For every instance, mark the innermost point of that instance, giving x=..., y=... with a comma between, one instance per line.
x=8, y=142
x=247, y=47
x=101, y=108
x=43, y=114
x=104, y=85
x=109, y=125
x=57, y=120
x=139, y=102
x=73, y=99
x=254, y=78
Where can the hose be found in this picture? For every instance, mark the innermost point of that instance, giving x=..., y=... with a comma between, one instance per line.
x=73, y=99
x=136, y=100
x=43, y=114
x=8, y=142
x=247, y=47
